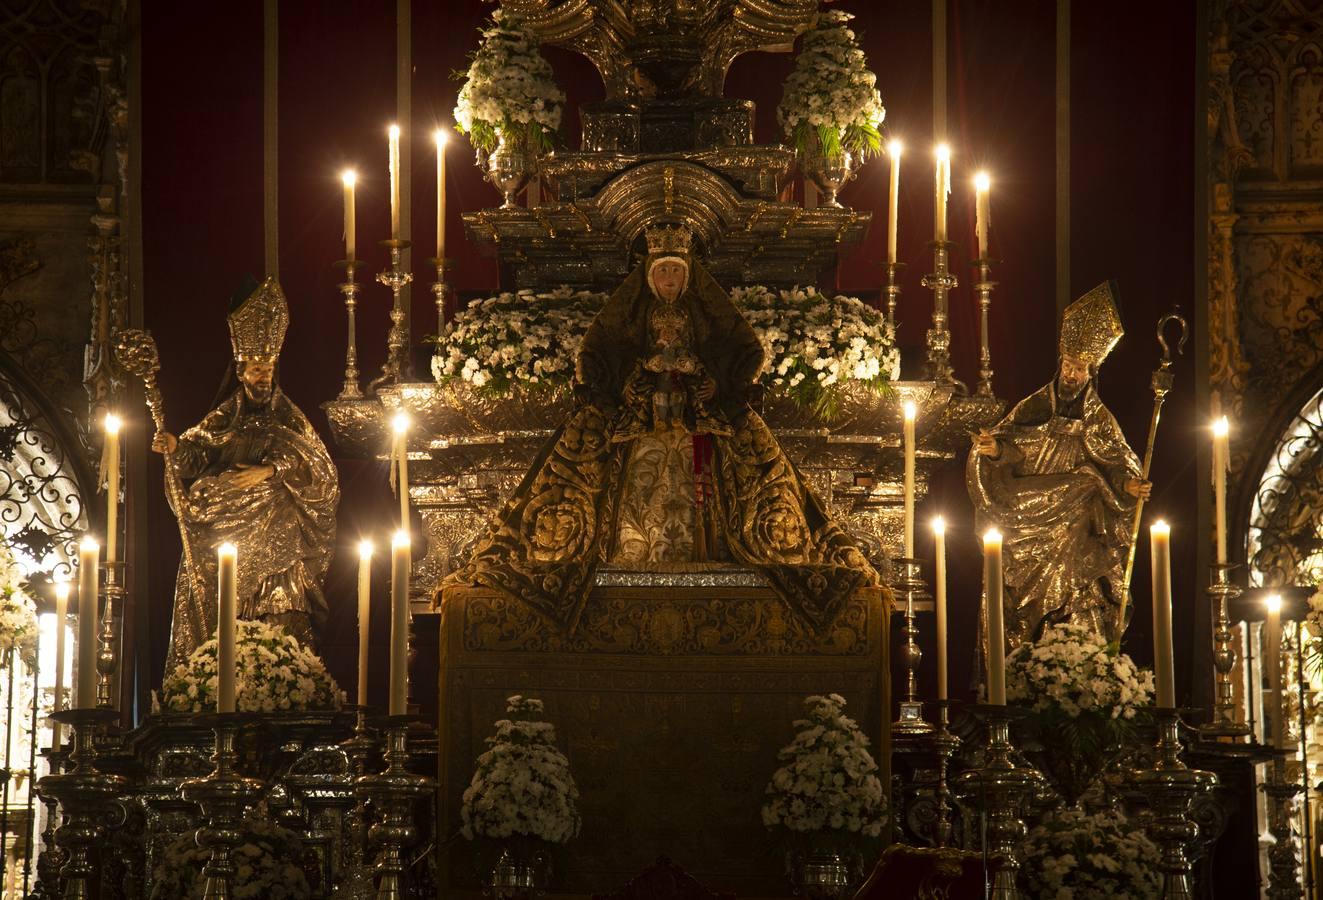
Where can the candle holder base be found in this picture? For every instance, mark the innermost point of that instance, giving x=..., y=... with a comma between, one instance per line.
x=909, y=585
x=1283, y=855
x=892, y=289
x=392, y=793
x=223, y=796
x=349, y=288
x=83, y=794
x=107, y=655
x=397, y=367
x=1223, y=724
x=926, y=803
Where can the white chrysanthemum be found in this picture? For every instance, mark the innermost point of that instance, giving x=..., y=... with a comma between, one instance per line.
x=509, y=89
x=18, y=613
x=1071, y=668
x=1073, y=853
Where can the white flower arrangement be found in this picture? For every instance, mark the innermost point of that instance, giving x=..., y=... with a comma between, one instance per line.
x=831, y=94
x=266, y=865
x=509, y=91
x=828, y=782
x=814, y=343
x=1072, y=669
x=522, y=785
x=18, y=613
x=274, y=672
x=1074, y=853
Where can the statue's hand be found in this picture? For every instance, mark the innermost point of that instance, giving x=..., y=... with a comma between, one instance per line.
x=986, y=445
x=245, y=476
x=707, y=390
x=164, y=442
x=1141, y=490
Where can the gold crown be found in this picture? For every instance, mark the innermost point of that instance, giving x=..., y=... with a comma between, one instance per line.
x=1091, y=326
x=258, y=326
x=665, y=240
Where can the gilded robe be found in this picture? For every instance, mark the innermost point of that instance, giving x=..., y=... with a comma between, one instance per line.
x=284, y=527
x=1056, y=490
x=561, y=521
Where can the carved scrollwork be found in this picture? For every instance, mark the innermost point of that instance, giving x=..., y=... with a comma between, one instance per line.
x=1286, y=522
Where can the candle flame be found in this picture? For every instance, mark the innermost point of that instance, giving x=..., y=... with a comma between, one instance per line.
x=1160, y=527
x=113, y=423
x=365, y=549
x=1275, y=604
x=895, y=148
x=440, y=136
x=1221, y=427
x=227, y=551
x=394, y=132
x=910, y=410
x=89, y=545
x=982, y=182
x=992, y=537
x=400, y=422
x=349, y=177
x=939, y=526
x=399, y=539
x=944, y=152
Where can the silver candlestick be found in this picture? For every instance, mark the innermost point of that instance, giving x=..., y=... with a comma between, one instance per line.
x=392, y=793
x=224, y=796
x=892, y=290
x=397, y=367
x=107, y=655
x=941, y=281
x=983, y=287
x=1283, y=861
x=349, y=288
x=441, y=290
x=356, y=876
x=999, y=790
x=1222, y=591
x=1171, y=787
x=910, y=585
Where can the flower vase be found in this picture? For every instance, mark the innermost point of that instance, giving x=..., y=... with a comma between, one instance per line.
x=509, y=167
x=828, y=173
x=521, y=872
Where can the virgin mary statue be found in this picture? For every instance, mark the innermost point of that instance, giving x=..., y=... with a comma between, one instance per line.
x=669, y=364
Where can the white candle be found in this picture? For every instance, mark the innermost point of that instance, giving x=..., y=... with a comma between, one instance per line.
x=910, y=412
x=89, y=558
x=939, y=603
x=1164, y=668
x=992, y=585
x=982, y=188
x=61, y=617
x=227, y=586
x=112, y=424
x=893, y=200
x=349, y=178
x=440, y=193
x=364, y=616
x=400, y=425
x=1272, y=661
x=395, y=182
x=943, y=189
x=399, y=624
x=1221, y=465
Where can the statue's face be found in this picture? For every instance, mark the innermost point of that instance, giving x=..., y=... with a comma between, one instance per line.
x=668, y=279
x=1074, y=372
x=257, y=378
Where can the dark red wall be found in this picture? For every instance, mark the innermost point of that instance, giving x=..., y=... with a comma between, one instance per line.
x=1132, y=217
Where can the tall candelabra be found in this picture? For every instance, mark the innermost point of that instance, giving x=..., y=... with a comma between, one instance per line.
x=910, y=585
x=927, y=804
x=983, y=288
x=893, y=290
x=107, y=656
x=1283, y=860
x=999, y=790
x=392, y=793
x=1222, y=591
x=397, y=367
x=84, y=795
x=1171, y=787
x=349, y=288
x=441, y=290
x=941, y=281
x=51, y=859
x=223, y=796
x=356, y=880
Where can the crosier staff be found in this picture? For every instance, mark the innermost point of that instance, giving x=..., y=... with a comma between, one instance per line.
x=1163, y=378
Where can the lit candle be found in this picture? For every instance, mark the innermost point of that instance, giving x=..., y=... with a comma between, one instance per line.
x=910, y=412
x=1164, y=668
x=61, y=616
x=89, y=558
x=400, y=424
x=1273, y=668
x=350, y=178
x=395, y=182
x=364, y=616
x=939, y=602
x=1221, y=465
x=440, y=193
x=112, y=423
x=982, y=188
x=893, y=201
x=996, y=626
x=943, y=189
x=399, y=624
x=227, y=587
